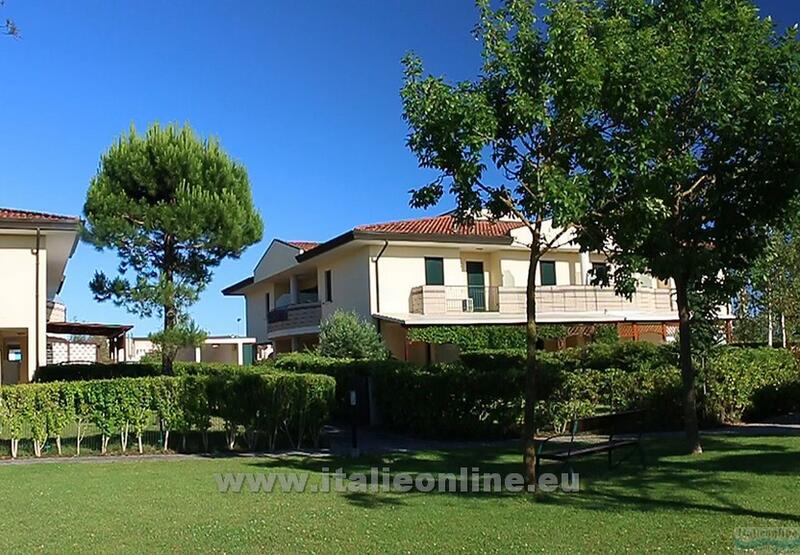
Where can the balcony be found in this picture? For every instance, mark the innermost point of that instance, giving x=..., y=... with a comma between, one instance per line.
x=292, y=319
x=447, y=299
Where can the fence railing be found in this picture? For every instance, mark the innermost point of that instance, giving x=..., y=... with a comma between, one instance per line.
x=294, y=316
x=454, y=299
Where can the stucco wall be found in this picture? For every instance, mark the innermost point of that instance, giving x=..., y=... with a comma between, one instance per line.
x=256, y=310
x=350, y=283
x=277, y=258
x=18, y=294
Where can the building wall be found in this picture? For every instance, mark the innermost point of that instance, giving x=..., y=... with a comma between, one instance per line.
x=402, y=268
x=350, y=280
x=278, y=257
x=256, y=310
x=18, y=296
x=514, y=268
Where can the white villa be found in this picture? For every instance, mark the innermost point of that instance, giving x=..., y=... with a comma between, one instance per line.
x=34, y=251
x=430, y=271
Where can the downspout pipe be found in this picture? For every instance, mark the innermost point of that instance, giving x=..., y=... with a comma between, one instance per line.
x=38, y=295
x=378, y=281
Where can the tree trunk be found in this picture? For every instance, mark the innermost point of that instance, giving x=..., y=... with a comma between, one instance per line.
x=170, y=317
x=58, y=444
x=167, y=354
x=769, y=328
x=139, y=441
x=123, y=436
x=784, y=342
x=688, y=373
x=531, y=371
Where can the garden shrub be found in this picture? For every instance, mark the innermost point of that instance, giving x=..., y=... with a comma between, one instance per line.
x=742, y=383
x=345, y=334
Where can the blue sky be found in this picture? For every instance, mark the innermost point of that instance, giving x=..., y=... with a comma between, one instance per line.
x=304, y=93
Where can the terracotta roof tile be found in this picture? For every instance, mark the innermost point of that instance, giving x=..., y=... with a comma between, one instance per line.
x=11, y=214
x=444, y=225
x=303, y=245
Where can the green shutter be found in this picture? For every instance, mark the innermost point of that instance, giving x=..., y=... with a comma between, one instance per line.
x=548, y=270
x=434, y=271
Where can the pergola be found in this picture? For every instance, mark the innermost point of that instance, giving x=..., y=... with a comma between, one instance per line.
x=114, y=333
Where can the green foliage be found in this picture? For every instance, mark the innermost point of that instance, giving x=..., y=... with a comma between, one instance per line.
x=693, y=150
x=773, y=287
x=287, y=408
x=628, y=355
x=742, y=383
x=345, y=335
x=173, y=207
x=342, y=370
x=483, y=337
x=185, y=334
x=73, y=372
x=606, y=333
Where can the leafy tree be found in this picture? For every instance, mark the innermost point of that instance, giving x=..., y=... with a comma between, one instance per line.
x=173, y=207
x=772, y=294
x=345, y=335
x=503, y=143
x=694, y=151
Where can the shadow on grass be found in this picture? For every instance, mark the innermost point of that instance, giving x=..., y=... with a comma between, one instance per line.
x=727, y=479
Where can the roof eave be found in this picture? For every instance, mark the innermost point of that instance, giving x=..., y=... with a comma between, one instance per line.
x=237, y=288
x=51, y=225
x=357, y=234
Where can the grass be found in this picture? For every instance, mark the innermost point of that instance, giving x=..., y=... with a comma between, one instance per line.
x=679, y=504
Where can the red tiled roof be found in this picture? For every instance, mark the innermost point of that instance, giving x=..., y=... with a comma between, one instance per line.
x=11, y=214
x=444, y=225
x=303, y=245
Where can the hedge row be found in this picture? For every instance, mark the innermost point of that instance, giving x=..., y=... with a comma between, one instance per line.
x=342, y=370
x=280, y=407
x=500, y=337
x=483, y=396
x=99, y=371
x=629, y=356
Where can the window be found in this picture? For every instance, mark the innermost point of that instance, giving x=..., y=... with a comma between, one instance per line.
x=328, y=286
x=266, y=302
x=14, y=353
x=599, y=272
x=548, y=272
x=434, y=271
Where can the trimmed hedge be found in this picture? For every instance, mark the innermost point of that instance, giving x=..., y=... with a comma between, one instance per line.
x=343, y=370
x=483, y=395
x=281, y=408
x=99, y=371
x=628, y=356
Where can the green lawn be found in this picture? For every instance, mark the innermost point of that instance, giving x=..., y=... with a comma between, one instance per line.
x=679, y=504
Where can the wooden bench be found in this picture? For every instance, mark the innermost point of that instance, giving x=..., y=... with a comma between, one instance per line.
x=627, y=424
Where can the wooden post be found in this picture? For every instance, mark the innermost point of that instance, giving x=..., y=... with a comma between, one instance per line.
x=635, y=331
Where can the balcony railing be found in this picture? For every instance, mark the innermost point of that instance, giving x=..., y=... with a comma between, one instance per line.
x=446, y=299
x=291, y=317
